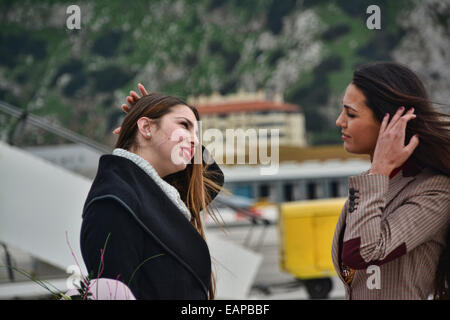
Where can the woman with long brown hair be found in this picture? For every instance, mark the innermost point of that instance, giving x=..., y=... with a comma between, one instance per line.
x=391, y=240
x=141, y=220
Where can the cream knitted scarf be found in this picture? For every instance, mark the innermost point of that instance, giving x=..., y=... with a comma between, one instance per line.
x=168, y=189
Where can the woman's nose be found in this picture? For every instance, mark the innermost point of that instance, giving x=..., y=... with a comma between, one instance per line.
x=195, y=140
x=191, y=138
x=339, y=121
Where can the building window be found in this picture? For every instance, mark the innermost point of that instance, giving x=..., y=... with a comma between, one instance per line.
x=334, y=189
x=311, y=190
x=288, y=192
x=263, y=190
x=244, y=190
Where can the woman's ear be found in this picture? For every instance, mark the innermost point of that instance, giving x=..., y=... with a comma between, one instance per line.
x=145, y=127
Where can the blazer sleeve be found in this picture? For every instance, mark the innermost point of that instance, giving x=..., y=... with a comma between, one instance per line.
x=122, y=255
x=369, y=239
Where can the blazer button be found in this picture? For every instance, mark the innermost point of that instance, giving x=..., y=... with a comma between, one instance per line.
x=351, y=209
x=352, y=197
x=352, y=191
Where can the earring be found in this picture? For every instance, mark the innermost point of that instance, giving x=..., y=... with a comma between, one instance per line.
x=148, y=134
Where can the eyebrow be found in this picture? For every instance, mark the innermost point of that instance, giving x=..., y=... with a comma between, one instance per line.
x=348, y=107
x=189, y=121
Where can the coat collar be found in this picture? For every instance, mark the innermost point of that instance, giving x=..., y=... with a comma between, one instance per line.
x=338, y=234
x=401, y=177
x=171, y=192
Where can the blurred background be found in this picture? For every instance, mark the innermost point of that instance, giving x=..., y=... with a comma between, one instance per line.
x=261, y=64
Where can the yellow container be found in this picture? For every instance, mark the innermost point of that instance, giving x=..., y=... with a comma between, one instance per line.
x=306, y=234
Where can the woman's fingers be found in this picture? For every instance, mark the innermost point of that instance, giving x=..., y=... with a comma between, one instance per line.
x=412, y=145
x=399, y=120
x=117, y=130
x=130, y=100
x=384, y=123
x=134, y=95
x=403, y=121
x=125, y=108
x=142, y=89
x=396, y=117
x=391, y=149
x=398, y=130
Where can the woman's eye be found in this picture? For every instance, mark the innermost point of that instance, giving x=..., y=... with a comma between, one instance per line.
x=185, y=124
x=350, y=115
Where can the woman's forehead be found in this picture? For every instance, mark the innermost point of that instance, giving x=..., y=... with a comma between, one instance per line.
x=354, y=98
x=181, y=110
x=353, y=94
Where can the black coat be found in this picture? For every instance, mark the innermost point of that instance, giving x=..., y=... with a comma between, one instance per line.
x=143, y=222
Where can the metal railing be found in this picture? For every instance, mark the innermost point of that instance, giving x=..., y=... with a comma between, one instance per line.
x=40, y=122
x=254, y=219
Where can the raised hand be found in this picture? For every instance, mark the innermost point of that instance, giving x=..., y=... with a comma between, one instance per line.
x=390, y=150
x=131, y=99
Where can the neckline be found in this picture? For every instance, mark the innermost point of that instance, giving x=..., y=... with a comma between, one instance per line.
x=167, y=188
x=409, y=169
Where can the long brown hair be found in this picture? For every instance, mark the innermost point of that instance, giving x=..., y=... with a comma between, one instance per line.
x=388, y=86
x=195, y=184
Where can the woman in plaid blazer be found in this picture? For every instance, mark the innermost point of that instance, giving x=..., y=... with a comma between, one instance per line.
x=392, y=237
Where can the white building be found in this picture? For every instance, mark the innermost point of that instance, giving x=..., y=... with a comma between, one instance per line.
x=252, y=111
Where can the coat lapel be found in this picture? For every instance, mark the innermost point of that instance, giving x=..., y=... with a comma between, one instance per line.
x=336, y=239
x=409, y=170
x=335, y=248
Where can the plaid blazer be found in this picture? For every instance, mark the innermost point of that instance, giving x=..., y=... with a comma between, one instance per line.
x=391, y=232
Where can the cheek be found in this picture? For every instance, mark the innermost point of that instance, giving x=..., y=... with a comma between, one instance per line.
x=178, y=135
x=368, y=138
x=172, y=147
x=172, y=155
x=364, y=136
x=372, y=130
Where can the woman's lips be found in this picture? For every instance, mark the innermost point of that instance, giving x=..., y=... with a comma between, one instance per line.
x=345, y=137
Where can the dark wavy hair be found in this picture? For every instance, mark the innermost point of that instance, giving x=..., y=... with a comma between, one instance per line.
x=388, y=86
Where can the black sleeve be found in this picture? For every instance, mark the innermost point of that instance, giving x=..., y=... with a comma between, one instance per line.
x=214, y=173
x=123, y=252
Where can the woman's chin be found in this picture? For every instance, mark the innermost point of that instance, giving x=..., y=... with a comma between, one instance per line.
x=177, y=168
x=183, y=163
x=353, y=150
x=350, y=149
x=347, y=147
